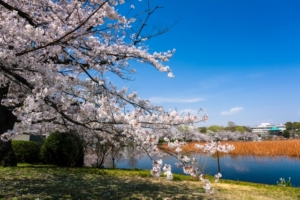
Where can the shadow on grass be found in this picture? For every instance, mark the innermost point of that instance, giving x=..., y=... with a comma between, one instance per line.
x=79, y=183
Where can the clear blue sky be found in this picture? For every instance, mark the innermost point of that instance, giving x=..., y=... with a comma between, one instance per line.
x=239, y=60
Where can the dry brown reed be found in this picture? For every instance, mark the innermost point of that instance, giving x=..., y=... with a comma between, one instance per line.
x=290, y=148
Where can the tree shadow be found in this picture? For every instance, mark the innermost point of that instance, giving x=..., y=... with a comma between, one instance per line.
x=70, y=185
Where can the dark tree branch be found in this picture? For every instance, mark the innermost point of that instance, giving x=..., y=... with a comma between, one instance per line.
x=20, y=13
x=144, y=24
x=16, y=76
x=44, y=120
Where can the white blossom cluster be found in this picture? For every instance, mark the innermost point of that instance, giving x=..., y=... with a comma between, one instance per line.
x=189, y=165
x=212, y=147
x=218, y=176
x=156, y=168
x=168, y=172
x=208, y=188
x=8, y=135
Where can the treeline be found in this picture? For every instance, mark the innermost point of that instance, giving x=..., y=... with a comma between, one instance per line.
x=292, y=130
x=292, y=126
x=231, y=127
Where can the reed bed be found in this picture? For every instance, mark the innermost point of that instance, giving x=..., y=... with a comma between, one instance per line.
x=290, y=148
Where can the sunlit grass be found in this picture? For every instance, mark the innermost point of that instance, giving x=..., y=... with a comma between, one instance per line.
x=51, y=182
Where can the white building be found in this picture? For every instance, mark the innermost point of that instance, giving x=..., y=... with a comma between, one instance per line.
x=265, y=127
x=35, y=138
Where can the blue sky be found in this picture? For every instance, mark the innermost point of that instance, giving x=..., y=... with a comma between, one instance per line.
x=239, y=60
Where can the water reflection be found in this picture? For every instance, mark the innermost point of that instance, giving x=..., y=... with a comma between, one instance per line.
x=258, y=169
x=237, y=167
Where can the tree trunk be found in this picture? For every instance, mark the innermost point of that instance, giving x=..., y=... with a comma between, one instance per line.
x=7, y=121
x=7, y=155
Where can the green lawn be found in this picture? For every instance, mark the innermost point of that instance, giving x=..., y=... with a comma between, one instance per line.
x=50, y=182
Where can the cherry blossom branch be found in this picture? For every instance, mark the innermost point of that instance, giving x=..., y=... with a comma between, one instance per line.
x=20, y=13
x=16, y=76
x=64, y=36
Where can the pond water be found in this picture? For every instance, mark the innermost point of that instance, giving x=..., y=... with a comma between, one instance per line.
x=255, y=169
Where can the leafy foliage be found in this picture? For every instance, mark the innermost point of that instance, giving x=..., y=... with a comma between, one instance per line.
x=26, y=151
x=296, y=125
x=292, y=126
x=202, y=129
x=240, y=129
x=289, y=126
x=286, y=134
x=215, y=128
x=63, y=149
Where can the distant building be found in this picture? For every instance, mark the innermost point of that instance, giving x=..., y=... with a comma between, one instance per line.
x=267, y=128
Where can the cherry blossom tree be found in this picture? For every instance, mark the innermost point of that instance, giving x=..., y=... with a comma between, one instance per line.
x=55, y=59
x=55, y=56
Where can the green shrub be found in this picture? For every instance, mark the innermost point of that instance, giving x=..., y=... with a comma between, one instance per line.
x=26, y=151
x=161, y=140
x=286, y=134
x=63, y=149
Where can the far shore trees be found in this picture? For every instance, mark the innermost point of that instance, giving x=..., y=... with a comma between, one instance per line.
x=232, y=127
x=215, y=128
x=292, y=126
x=202, y=129
x=286, y=134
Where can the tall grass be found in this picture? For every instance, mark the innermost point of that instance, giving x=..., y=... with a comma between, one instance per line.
x=289, y=148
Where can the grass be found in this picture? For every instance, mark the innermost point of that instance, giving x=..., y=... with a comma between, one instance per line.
x=50, y=182
x=290, y=148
